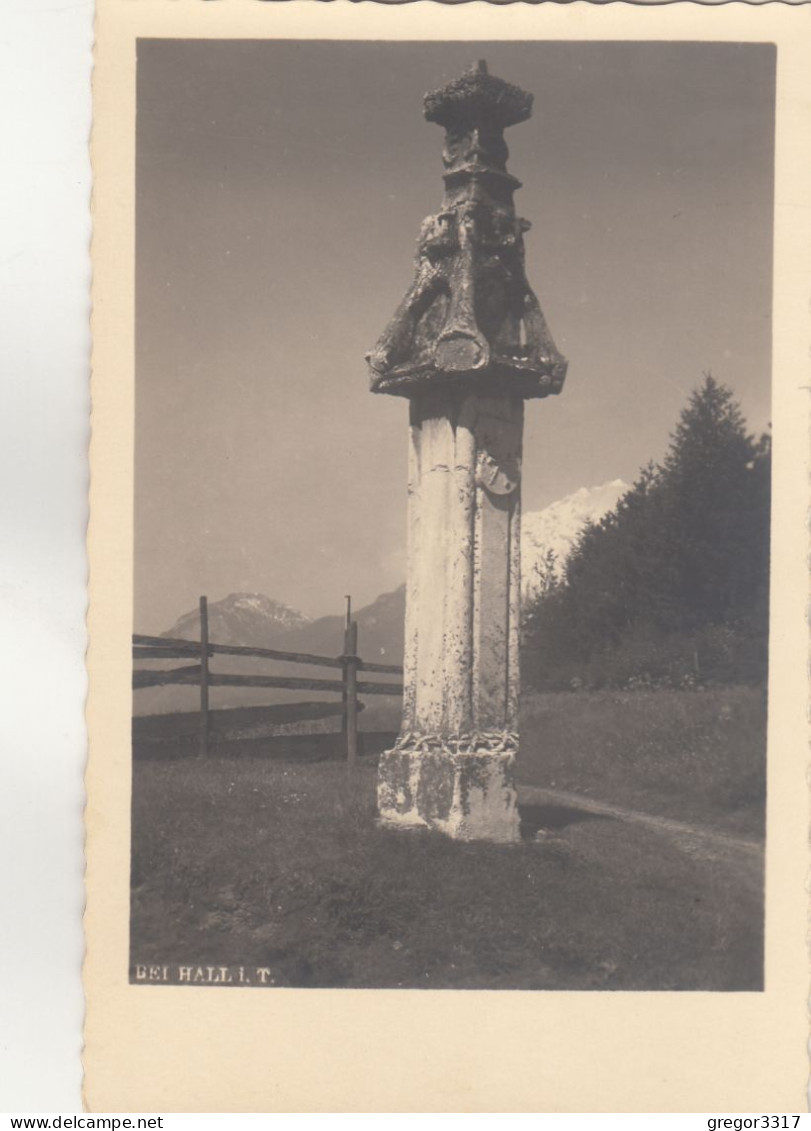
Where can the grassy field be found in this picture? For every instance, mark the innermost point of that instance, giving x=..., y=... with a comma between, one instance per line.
x=258, y=860
x=698, y=757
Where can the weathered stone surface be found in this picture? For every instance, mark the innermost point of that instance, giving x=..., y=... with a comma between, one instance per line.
x=462, y=617
x=463, y=591
x=467, y=345
x=466, y=795
x=470, y=316
x=478, y=97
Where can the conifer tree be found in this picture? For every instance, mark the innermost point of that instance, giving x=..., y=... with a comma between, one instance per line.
x=685, y=552
x=716, y=533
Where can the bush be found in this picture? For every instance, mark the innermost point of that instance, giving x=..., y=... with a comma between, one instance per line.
x=646, y=658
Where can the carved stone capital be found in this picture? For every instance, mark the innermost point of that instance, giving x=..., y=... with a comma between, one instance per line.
x=470, y=316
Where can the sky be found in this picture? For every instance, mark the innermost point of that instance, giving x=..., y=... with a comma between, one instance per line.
x=280, y=190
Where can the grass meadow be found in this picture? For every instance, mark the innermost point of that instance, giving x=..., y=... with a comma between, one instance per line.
x=267, y=859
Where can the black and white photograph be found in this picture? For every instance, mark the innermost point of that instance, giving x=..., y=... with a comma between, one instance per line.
x=448, y=558
x=451, y=552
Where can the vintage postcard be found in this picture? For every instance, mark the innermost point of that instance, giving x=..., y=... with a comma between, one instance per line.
x=447, y=709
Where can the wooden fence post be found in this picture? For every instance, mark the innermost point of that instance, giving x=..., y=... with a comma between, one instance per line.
x=351, y=692
x=349, y=686
x=203, y=677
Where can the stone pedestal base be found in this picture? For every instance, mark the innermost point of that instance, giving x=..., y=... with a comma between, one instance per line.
x=467, y=796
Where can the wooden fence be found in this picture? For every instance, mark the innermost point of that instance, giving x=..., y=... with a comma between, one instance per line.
x=199, y=673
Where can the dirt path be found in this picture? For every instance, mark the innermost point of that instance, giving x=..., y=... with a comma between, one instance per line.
x=690, y=838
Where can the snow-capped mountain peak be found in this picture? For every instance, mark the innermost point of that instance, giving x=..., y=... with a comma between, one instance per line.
x=241, y=618
x=558, y=526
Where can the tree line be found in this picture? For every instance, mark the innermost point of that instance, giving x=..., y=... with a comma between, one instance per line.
x=671, y=587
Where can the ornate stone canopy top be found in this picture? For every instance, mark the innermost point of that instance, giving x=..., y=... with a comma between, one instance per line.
x=478, y=97
x=470, y=316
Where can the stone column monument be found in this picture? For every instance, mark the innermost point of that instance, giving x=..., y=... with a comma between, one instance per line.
x=467, y=346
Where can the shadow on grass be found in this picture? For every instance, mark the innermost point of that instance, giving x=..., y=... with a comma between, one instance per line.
x=549, y=818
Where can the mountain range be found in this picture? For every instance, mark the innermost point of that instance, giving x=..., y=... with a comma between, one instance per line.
x=241, y=618
x=258, y=620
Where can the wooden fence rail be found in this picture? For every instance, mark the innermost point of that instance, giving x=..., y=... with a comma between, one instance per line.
x=165, y=648
x=349, y=687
